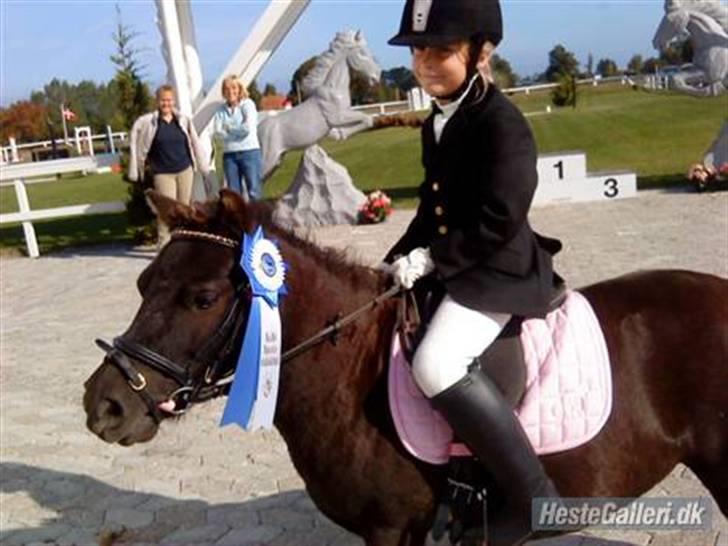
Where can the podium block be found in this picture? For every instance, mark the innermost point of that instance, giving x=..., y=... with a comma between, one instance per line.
x=594, y=187
x=560, y=166
x=563, y=178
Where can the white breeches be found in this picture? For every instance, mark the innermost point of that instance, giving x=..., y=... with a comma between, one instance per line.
x=455, y=337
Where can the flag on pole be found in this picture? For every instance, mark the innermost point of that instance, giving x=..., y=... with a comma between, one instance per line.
x=68, y=114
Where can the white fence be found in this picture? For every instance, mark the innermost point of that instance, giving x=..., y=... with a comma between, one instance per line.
x=16, y=175
x=11, y=152
x=381, y=108
x=418, y=99
x=656, y=82
x=623, y=79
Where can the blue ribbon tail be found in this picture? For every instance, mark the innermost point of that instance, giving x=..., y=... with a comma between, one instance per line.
x=244, y=389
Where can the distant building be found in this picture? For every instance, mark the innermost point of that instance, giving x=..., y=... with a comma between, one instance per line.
x=274, y=102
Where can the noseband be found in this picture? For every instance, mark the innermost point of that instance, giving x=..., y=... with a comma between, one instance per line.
x=218, y=355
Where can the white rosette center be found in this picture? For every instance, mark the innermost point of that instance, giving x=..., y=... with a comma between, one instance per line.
x=267, y=265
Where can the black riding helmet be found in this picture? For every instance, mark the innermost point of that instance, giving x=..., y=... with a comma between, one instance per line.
x=433, y=23
x=441, y=22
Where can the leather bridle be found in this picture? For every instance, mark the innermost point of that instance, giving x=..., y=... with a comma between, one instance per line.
x=218, y=355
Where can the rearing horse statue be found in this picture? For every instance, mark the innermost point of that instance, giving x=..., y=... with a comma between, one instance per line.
x=327, y=110
x=706, y=22
x=666, y=333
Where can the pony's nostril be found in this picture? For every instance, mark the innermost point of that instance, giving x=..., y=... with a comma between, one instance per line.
x=109, y=412
x=113, y=408
x=106, y=418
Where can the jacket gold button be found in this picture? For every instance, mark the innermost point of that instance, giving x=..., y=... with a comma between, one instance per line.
x=442, y=230
x=435, y=186
x=439, y=211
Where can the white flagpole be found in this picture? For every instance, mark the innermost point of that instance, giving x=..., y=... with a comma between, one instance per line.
x=65, y=128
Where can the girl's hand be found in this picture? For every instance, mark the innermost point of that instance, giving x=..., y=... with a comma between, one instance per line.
x=407, y=270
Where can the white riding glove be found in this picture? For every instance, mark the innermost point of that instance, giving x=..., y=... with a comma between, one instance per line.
x=408, y=269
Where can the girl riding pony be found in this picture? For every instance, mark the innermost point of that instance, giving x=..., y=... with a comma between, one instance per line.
x=471, y=237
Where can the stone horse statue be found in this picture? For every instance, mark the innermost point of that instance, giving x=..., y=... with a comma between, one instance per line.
x=706, y=22
x=327, y=110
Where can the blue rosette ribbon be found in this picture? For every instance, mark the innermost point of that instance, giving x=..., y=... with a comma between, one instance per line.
x=252, y=399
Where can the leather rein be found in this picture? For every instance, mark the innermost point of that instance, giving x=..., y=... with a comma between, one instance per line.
x=219, y=353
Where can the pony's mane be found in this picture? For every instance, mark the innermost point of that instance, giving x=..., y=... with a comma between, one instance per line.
x=336, y=261
x=712, y=8
x=325, y=61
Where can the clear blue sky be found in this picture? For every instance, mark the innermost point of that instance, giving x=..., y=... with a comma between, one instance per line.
x=71, y=40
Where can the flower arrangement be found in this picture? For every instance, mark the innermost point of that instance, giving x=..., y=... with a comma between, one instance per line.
x=376, y=208
x=702, y=175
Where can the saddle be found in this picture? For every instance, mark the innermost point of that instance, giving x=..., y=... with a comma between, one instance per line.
x=557, y=378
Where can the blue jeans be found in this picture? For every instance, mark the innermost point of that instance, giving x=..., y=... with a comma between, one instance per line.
x=243, y=171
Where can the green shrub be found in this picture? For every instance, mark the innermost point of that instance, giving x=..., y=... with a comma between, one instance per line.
x=139, y=216
x=565, y=93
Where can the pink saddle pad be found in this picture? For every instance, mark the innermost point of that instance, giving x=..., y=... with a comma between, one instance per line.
x=568, y=394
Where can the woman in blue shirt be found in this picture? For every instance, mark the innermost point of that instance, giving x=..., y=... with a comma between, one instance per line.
x=236, y=123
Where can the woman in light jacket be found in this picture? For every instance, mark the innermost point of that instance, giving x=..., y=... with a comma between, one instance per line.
x=167, y=143
x=236, y=123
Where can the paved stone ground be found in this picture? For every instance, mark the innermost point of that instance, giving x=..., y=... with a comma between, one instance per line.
x=198, y=484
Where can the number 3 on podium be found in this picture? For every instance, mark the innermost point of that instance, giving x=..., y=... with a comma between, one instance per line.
x=612, y=188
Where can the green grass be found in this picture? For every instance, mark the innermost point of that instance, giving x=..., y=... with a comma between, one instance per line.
x=68, y=232
x=71, y=190
x=656, y=135
x=387, y=159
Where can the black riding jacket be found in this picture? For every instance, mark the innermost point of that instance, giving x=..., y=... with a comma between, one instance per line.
x=479, y=183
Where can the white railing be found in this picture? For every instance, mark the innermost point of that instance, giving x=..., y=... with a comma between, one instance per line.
x=55, y=166
x=9, y=153
x=527, y=89
x=419, y=100
x=381, y=108
x=16, y=174
x=656, y=81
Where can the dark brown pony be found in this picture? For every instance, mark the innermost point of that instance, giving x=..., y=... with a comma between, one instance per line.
x=667, y=334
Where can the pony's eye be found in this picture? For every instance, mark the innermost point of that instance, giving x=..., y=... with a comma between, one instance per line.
x=205, y=300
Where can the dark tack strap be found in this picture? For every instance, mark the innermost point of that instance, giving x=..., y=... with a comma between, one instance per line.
x=135, y=379
x=223, y=334
x=408, y=323
x=332, y=331
x=152, y=359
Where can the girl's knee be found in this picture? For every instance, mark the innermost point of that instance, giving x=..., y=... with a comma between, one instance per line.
x=427, y=369
x=437, y=366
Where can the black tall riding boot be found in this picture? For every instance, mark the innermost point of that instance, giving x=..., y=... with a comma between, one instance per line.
x=483, y=419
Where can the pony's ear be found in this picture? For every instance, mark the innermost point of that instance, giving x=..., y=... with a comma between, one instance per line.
x=173, y=213
x=235, y=212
